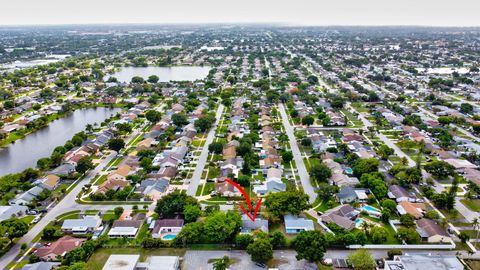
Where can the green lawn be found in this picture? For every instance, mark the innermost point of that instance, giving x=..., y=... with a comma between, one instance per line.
x=473, y=205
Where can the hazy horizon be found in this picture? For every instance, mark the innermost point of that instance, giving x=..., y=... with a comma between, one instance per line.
x=299, y=13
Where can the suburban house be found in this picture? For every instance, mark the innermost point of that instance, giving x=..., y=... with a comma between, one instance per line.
x=59, y=248
x=127, y=227
x=131, y=262
x=153, y=189
x=342, y=215
x=120, y=174
x=349, y=194
x=248, y=225
x=11, y=211
x=28, y=196
x=295, y=224
x=162, y=226
x=224, y=188
x=431, y=232
x=49, y=182
x=87, y=224
x=414, y=209
x=399, y=193
x=114, y=184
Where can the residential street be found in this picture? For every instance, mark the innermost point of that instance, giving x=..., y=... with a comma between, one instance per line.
x=67, y=204
x=297, y=155
x=202, y=160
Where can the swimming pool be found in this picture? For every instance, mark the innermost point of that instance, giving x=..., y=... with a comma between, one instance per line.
x=371, y=210
x=169, y=236
x=358, y=222
x=348, y=170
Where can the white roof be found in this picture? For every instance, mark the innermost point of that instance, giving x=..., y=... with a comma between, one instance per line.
x=82, y=224
x=163, y=263
x=120, y=231
x=121, y=262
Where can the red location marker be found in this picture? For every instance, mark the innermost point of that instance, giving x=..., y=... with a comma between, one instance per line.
x=250, y=207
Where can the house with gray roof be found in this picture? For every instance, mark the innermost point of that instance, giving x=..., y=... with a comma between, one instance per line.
x=248, y=225
x=28, y=196
x=350, y=194
x=40, y=266
x=269, y=186
x=296, y=224
x=9, y=211
x=87, y=224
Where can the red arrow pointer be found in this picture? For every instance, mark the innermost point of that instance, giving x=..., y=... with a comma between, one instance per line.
x=257, y=207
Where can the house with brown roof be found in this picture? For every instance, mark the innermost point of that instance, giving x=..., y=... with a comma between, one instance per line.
x=414, y=209
x=229, y=152
x=226, y=189
x=50, y=182
x=120, y=174
x=431, y=232
x=59, y=248
x=114, y=184
x=127, y=227
x=342, y=215
x=145, y=144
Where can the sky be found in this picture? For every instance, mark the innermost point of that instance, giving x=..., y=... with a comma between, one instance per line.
x=292, y=12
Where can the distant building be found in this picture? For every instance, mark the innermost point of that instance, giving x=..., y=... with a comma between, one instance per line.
x=424, y=261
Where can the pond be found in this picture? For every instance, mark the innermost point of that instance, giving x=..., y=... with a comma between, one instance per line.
x=166, y=74
x=25, y=152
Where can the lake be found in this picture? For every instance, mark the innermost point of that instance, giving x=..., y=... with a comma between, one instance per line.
x=166, y=74
x=24, y=153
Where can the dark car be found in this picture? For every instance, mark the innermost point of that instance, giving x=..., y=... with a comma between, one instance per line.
x=262, y=265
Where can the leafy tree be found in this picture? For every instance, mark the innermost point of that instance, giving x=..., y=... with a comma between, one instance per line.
x=191, y=212
x=116, y=144
x=49, y=233
x=384, y=151
x=220, y=226
x=379, y=235
x=215, y=147
x=320, y=172
x=277, y=239
x=362, y=260
x=466, y=108
x=204, y=123
x=281, y=203
x=153, y=79
x=308, y=120
x=118, y=211
x=287, y=156
x=310, y=245
x=13, y=228
x=408, y=235
x=407, y=220
x=137, y=79
x=221, y=264
x=389, y=204
x=153, y=116
x=244, y=180
x=243, y=240
x=260, y=250
x=365, y=165
x=84, y=164
x=179, y=119
x=439, y=168
x=191, y=233
x=174, y=203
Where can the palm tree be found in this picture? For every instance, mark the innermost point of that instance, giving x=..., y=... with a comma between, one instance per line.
x=476, y=227
x=221, y=264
